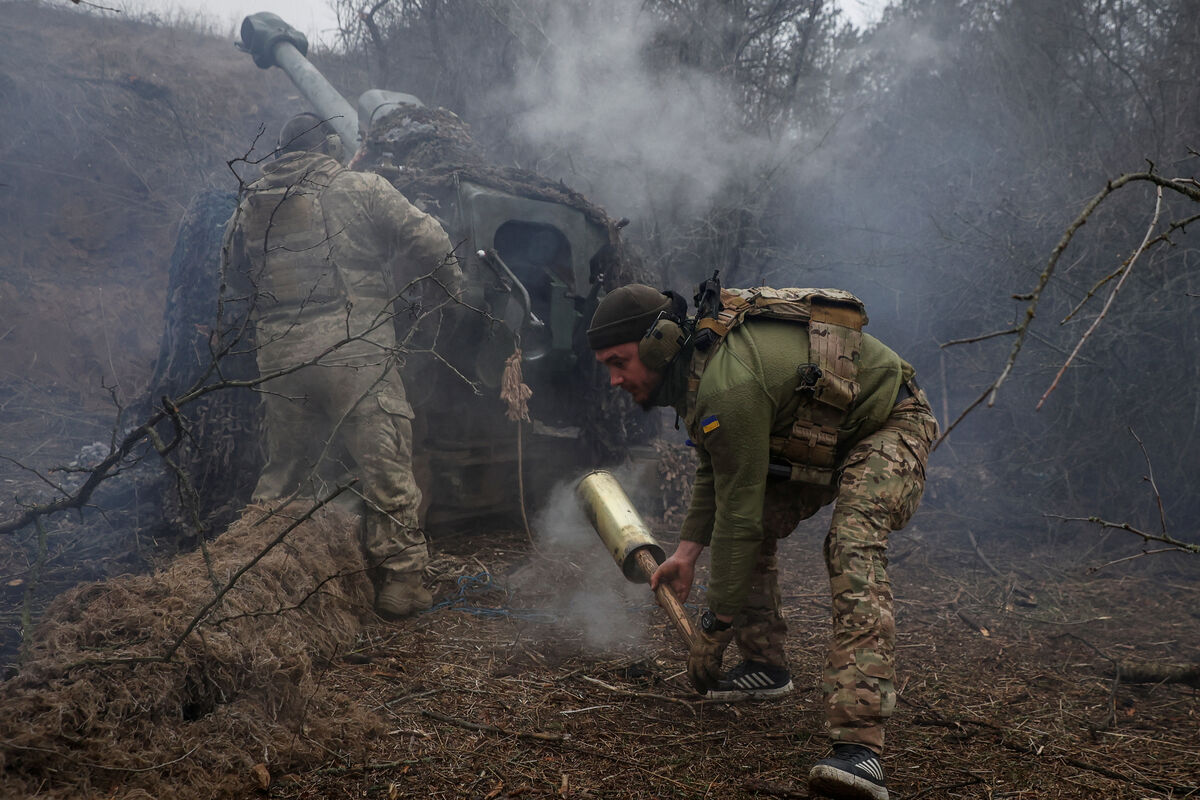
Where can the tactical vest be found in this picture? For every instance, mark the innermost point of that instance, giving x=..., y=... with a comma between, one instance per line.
x=828, y=384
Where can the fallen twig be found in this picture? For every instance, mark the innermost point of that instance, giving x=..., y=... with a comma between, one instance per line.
x=1028, y=748
x=368, y=767
x=643, y=695
x=1141, y=672
x=776, y=790
x=477, y=726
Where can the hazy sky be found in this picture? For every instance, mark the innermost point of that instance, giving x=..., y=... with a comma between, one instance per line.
x=317, y=20
x=314, y=17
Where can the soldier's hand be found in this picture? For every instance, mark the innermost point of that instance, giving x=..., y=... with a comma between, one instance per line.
x=678, y=574
x=704, y=658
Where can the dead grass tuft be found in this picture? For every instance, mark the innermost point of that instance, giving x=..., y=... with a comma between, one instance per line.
x=106, y=701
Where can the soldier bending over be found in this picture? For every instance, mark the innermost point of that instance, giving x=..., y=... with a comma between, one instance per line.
x=790, y=407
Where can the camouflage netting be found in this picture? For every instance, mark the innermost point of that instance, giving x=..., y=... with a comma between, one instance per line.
x=434, y=150
x=421, y=138
x=244, y=688
x=426, y=153
x=221, y=451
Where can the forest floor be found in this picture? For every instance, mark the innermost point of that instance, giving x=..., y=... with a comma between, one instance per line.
x=1006, y=688
x=1007, y=672
x=540, y=673
x=533, y=675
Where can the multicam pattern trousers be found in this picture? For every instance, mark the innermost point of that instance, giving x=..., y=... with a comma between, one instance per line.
x=882, y=480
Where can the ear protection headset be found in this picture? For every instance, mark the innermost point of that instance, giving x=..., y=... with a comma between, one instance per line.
x=666, y=336
x=307, y=131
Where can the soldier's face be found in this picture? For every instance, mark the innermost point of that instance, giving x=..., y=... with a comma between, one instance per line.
x=626, y=370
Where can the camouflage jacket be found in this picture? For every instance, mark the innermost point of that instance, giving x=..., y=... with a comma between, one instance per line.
x=317, y=243
x=747, y=394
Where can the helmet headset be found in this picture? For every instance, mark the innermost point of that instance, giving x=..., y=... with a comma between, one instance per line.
x=308, y=132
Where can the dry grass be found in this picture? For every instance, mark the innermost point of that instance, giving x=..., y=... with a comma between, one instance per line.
x=509, y=705
x=116, y=694
x=543, y=674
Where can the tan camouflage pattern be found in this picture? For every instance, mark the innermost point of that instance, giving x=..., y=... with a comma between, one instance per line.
x=326, y=251
x=880, y=486
x=328, y=423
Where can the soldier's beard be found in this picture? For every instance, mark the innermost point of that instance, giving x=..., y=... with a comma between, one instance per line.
x=652, y=392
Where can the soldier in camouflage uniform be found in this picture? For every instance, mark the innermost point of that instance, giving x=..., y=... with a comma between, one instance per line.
x=735, y=399
x=324, y=253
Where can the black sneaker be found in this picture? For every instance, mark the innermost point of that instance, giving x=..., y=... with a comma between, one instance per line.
x=853, y=772
x=752, y=680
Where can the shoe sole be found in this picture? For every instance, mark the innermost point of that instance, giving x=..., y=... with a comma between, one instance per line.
x=736, y=695
x=833, y=782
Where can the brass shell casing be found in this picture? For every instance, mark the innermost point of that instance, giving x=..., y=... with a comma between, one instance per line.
x=616, y=520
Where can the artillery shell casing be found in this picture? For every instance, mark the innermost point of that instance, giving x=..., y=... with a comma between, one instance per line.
x=616, y=520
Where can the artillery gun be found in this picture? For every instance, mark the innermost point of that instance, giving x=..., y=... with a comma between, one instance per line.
x=535, y=257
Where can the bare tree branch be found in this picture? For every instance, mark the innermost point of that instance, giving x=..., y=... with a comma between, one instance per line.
x=1175, y=544
x=1185, y=187
x=1111, y=297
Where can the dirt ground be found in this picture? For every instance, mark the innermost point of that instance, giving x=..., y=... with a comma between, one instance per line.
x=540, y=672
x=1006, y=688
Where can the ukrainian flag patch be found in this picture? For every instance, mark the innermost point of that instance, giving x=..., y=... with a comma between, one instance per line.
x=710, y=424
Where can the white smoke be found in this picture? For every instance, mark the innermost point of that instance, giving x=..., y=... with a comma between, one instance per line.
x=577, y=580
x=651, y=139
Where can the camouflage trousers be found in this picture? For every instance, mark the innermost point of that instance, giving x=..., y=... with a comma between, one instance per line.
x=882, y=480
x=330, y=422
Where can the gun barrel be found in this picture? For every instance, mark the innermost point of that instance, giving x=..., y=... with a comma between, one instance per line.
x=274, y=43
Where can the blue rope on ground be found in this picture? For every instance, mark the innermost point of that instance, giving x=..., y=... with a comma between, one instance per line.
x=470, y=587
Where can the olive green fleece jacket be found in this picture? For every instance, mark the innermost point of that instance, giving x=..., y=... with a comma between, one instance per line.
x=747, y=394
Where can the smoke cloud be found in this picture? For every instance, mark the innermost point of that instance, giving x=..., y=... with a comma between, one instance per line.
x=587, y=590
x=651, y=138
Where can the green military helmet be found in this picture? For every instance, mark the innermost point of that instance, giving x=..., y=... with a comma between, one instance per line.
x=308, y=132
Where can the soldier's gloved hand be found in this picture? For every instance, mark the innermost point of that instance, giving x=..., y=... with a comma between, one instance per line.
x=704, y=659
